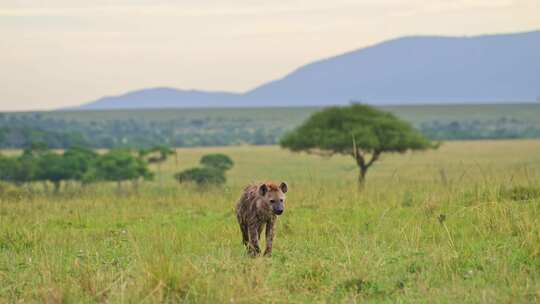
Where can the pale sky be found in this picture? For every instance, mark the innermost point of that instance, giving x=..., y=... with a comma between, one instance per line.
x=57, y=53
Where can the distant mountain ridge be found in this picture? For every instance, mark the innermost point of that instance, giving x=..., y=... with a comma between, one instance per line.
x=409, y=70
x=162, y=98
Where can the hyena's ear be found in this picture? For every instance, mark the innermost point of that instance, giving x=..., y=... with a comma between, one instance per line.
x=284, y=188
x=263, y=189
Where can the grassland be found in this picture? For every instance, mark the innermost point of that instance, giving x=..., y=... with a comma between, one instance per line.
x=456, y=225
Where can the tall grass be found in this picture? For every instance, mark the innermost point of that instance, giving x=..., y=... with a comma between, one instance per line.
x=461, y=224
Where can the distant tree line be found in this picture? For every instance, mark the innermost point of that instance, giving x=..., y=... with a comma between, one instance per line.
x=24, y=136
x=20, y=130
x=469, y=130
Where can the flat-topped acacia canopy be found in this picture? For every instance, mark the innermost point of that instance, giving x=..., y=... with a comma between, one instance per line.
x=355, y=130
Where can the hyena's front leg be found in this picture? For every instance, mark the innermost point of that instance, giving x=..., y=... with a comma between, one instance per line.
x=269, y=238
x=261, y=227
x=245, y=235
x=254, y=248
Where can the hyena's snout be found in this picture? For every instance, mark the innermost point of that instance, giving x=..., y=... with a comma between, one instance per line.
x=278, y=208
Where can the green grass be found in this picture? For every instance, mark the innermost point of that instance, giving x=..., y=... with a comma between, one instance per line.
x=456, y=225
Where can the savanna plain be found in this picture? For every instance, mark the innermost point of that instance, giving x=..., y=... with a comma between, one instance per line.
x=460, y=224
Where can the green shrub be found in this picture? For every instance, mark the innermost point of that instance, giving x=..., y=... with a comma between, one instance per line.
x=212, y=171
x=202, y=176
x=218, y=161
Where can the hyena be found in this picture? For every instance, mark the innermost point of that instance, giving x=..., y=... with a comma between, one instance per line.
x=259, y=205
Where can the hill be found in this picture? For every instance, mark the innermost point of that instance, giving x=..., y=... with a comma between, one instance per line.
x=410, y=70
x=162, y=98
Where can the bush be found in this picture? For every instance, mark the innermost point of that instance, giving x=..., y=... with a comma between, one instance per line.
x=218, y=161
x=202, y=176
x=212, y=170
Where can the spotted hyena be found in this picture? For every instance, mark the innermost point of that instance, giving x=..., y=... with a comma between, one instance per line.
x=259, y=205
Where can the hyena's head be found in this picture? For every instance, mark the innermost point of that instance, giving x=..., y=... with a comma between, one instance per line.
x=274, y=196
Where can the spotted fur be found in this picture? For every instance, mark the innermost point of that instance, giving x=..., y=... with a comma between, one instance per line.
x=258, y=207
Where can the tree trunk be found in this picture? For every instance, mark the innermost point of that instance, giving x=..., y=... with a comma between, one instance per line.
x=56, y=186
x=118, y=187
x=362, y=176
x=136, y=185
x=363, y=165
x=359, y=156
x=160, y=177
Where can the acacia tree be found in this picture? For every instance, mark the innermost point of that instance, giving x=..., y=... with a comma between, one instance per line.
x=361, y=131
x=121, y=165
x=7, y=165
x=24, y=168
x=81, y=162
x=53, y=168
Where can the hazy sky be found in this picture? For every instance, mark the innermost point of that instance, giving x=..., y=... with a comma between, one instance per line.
x=56, y=53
